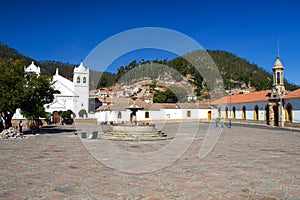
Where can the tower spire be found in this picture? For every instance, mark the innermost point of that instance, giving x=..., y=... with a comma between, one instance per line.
x=277, y=48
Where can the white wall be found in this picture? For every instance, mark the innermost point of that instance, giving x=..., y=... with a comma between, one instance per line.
x=249, y=110
x=296, y=108
x=162, y=114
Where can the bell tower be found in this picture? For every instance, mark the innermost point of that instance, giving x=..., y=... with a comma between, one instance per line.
x=278, y=78
x=276, y=109
x=81, y=88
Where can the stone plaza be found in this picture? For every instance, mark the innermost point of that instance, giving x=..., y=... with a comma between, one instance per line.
x=247, y=162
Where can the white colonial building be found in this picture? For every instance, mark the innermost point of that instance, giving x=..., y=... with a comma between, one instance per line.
x=117, y=110
x=275, y=107
x=70, y=94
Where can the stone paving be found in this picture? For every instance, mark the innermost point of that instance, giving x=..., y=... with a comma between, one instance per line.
x=246, y=163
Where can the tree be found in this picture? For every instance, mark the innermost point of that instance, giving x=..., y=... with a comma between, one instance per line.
x=37, y=93
x=178, y=94
x=171, y=96
x=102, y=82
x=159, y=97
x=165, y=97
x=82, y=113
x=11, y=88
x=19, y=90
x=67, y=116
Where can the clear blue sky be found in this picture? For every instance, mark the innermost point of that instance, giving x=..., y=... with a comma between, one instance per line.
x=68, y=30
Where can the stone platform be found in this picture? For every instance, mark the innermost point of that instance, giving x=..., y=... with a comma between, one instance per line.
x=129, y=132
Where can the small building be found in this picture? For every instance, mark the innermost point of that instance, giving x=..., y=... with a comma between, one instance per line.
x=116, y=110
x=274, y=107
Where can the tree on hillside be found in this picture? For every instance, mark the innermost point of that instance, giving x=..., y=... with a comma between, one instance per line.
x=167, y=96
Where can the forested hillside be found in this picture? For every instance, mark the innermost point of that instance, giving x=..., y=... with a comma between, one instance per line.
x=232, y=68
x=48, y=67
x=235, y=68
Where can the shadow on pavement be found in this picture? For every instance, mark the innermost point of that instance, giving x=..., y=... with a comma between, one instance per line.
x=52, y=129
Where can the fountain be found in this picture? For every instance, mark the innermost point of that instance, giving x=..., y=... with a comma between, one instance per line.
x=133, y=131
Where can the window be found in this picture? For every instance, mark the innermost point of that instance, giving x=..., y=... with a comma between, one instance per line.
x=84, y=80
x=188, y=113
x=278, y=77
x=147, y=115
x=78, y=79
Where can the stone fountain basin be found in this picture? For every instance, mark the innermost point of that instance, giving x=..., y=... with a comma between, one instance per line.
x=134, y=129
x=129, y=132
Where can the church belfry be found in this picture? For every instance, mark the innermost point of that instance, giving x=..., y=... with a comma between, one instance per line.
x=278, y=78
x=81, y=88
x=276, y=109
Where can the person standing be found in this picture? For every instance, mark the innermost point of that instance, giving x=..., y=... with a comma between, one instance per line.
x=222, y=122
x=1, y=123
x=20, y=126
x=217, y=121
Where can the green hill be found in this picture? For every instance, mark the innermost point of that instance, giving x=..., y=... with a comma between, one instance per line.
x=233, y=70
x=48, y=67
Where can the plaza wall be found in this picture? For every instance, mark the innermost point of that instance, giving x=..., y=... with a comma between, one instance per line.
x=296, y=108
x=153, y=115
x=249, y=112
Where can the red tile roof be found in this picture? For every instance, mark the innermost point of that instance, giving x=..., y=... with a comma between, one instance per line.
x=293, y=94
x=244, y=98
x=124, y=103
x=198, y=105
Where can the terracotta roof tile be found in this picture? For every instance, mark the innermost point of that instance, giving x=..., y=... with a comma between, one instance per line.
x=244, y=98
x=293, y=94
x=199, y=105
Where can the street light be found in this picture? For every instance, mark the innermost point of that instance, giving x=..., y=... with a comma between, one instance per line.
x=280, y=111
x=230, y=107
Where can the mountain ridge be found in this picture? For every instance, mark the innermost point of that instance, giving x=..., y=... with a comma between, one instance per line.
x=233, y=69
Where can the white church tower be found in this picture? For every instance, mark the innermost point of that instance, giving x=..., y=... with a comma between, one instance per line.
x=32, y=68
x=81, y=88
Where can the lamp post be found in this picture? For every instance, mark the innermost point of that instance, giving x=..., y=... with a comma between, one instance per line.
x=230, y=110
x=280, y=111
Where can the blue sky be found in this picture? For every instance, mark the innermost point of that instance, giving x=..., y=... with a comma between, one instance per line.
x=68, y=30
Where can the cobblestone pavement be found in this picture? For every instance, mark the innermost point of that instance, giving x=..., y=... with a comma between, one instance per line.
x=246, y=163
